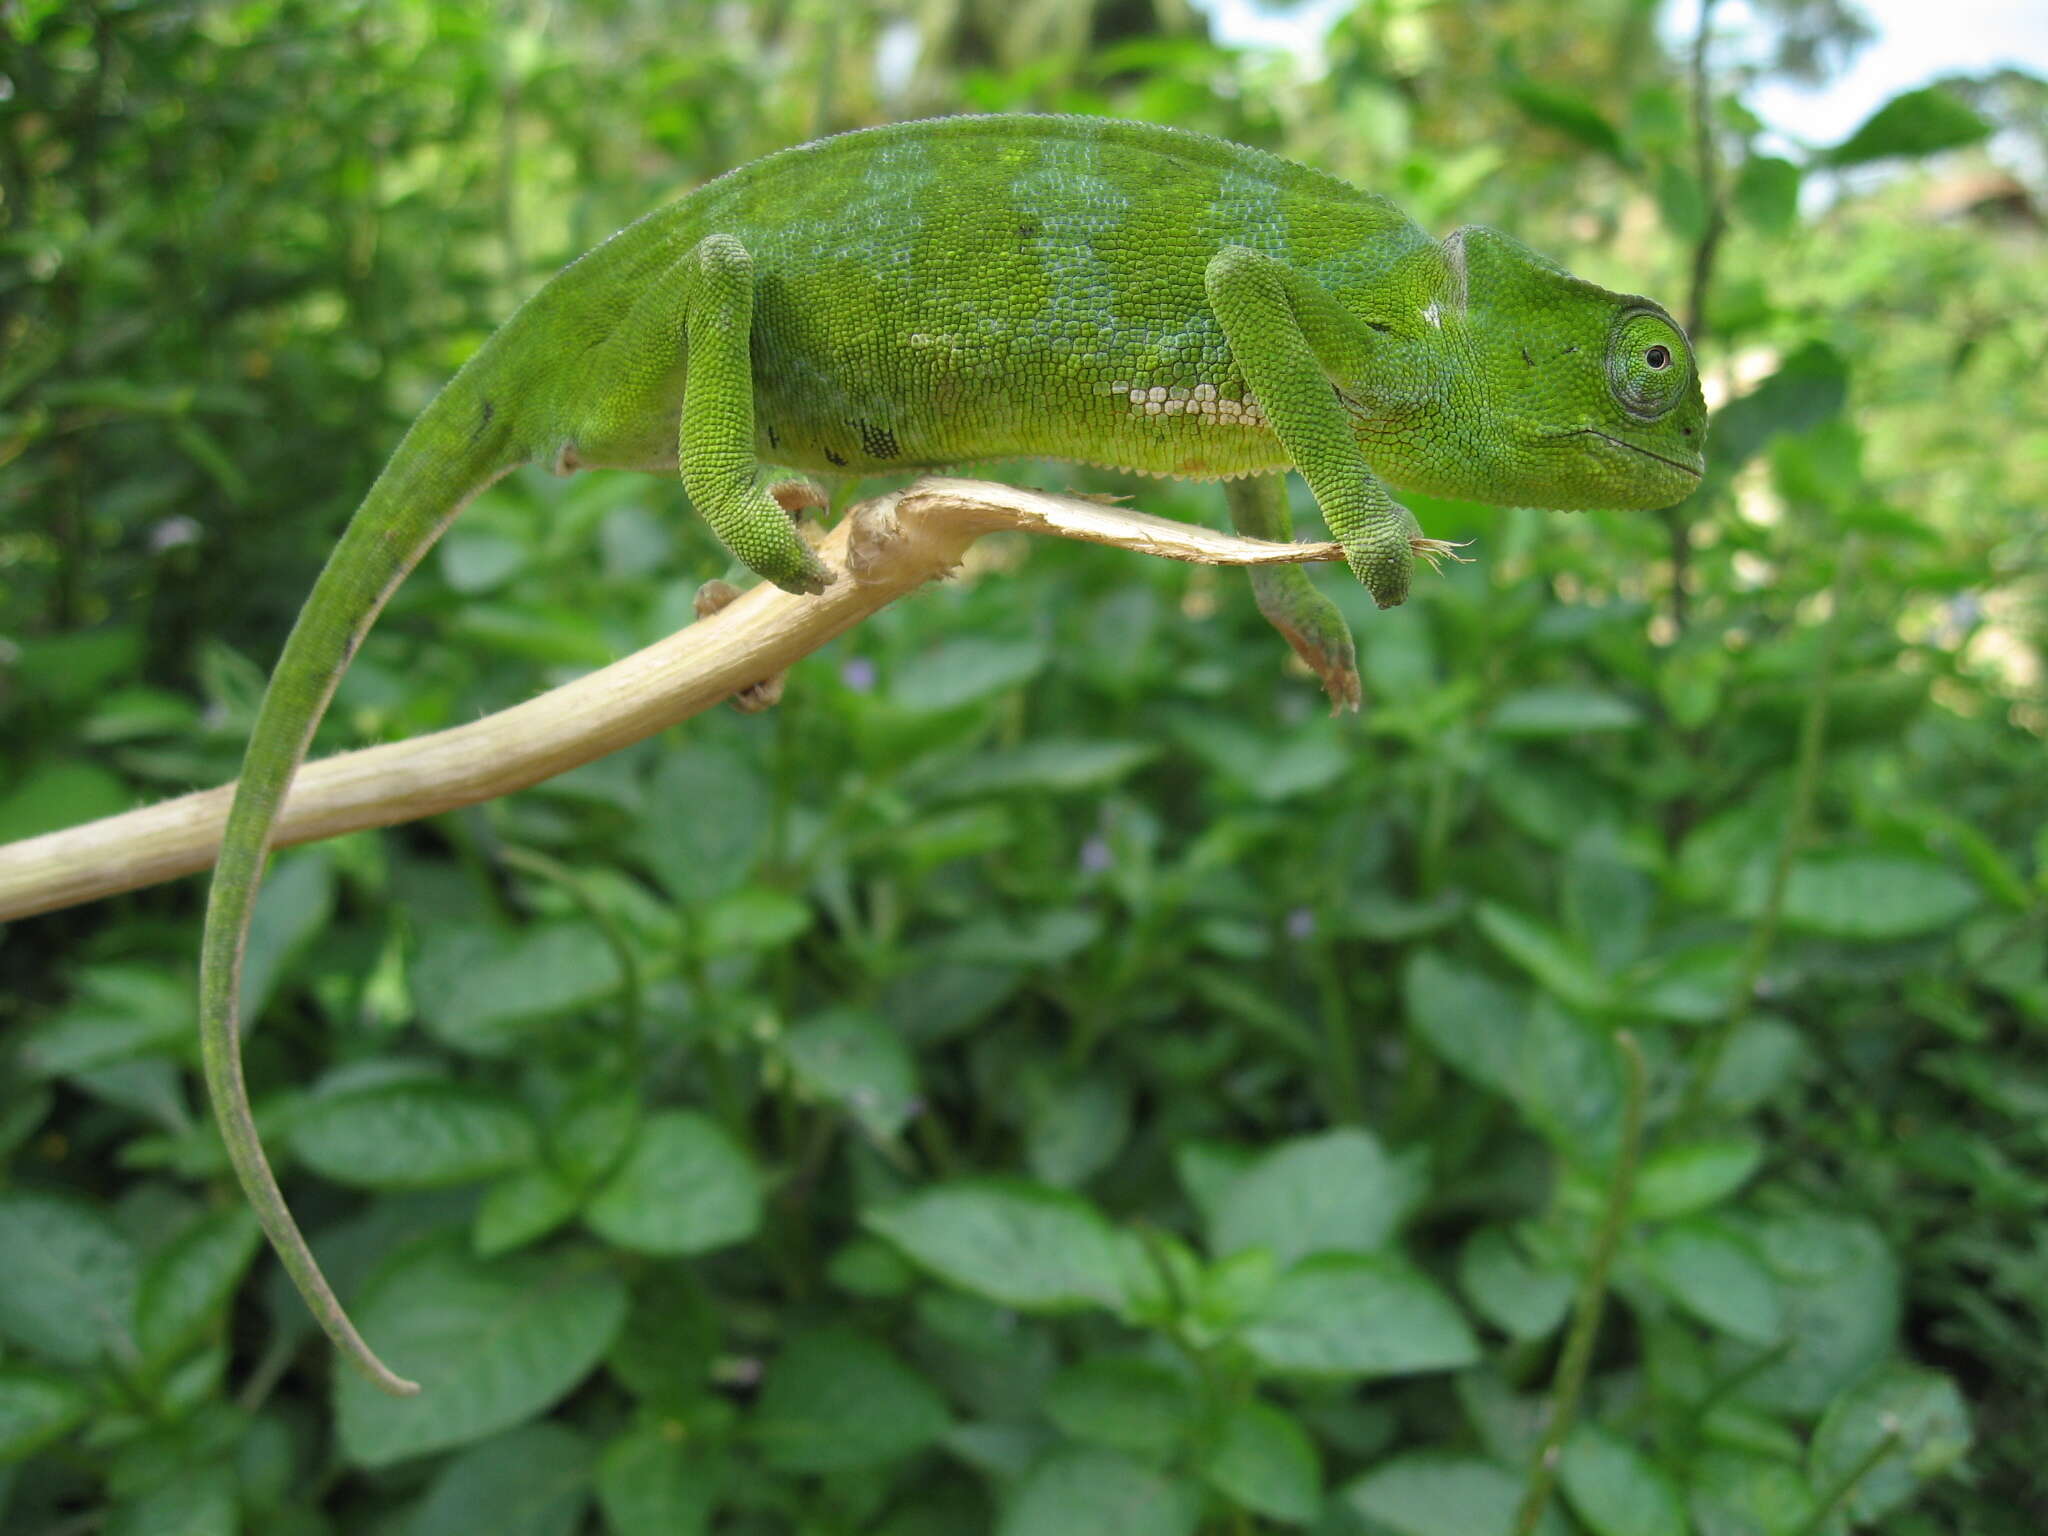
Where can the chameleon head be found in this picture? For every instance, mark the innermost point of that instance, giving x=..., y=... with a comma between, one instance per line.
x=1588, y=400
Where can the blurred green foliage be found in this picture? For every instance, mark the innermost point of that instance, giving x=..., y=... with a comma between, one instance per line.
x=1044, y=1077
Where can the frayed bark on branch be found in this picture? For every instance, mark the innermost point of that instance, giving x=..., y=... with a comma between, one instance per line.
x=884, y=549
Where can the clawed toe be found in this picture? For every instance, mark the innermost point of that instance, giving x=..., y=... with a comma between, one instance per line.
x=1436, y=551
x=799, y=496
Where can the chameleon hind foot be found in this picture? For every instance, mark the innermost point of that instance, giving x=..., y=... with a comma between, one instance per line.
x=798, y=496
x=1307, y=620
x=1310, y=623
x=714, y=597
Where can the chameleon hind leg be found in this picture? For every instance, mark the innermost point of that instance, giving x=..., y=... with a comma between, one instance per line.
x=795, y=497
x=1306, y=619
x=693, y=329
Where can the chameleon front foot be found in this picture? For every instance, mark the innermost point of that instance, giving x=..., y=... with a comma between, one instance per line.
x=714, y=597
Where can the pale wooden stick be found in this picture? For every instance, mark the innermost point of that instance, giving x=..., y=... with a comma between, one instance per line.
x=886, y=548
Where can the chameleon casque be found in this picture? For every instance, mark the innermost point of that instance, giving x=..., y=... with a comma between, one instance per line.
x=975, y=288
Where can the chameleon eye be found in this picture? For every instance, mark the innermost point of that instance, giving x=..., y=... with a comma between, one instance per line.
x=1648, y=363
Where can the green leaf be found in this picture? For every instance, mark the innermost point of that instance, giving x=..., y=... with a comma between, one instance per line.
x=958, y=672
x=837, y=1400
x=1616, y=1489
x=1333, y=1192
x=1920, y=1411
x=186, y=1287
x=1020, y=1245
x=1557, y=964
x=1266, y=1462
x=853, y=1059
x=1089, y=1492
x=521, y=1207
x=530, y=1481
x=1873, y=897
x=67, y=1278
x=1126, y=1404
x=1762, y=1057
x=665, y=1353
x=1075, y=1124
x=36, y=1408
x=751, y=919
x=1838, y=1283
x=1562, y=711
x=1270, y=766
x=1718, y=1278
x=1693, y=1175
x=1767, y=193
x=198, y=1501
x=686, y=1187
x=59, y=793
x=867, y=1266
x=1568, y=1084
x=1044, y=938
x=481, y=991
x=1053, y=764
x=492, y=1343
x=709, y=812
x=1431, y=1493
x=590, y=1135
x=1744, y=1493
x=1570, y=114
x=650, y=1484
x=1680, y=201
x=1809, y=387
x=475, y=558
x=122, y=1013
x=1523, y=1299
x=413, y=1135
x=1470, y=1020
x=295, y=903
x=1356, y=1315
x=1921, y=122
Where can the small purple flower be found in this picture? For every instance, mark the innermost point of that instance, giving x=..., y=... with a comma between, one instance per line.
x=1301, y=924
x=1095, y=856
x=858, y=673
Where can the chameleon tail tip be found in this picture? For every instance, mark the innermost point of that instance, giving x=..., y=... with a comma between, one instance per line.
x=382, y=1376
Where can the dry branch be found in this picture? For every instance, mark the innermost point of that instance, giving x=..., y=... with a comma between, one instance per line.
x=885, y=548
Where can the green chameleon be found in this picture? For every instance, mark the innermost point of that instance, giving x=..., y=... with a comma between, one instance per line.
x=975, y=288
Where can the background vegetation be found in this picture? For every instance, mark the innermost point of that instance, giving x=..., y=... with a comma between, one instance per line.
x=1044, y=1077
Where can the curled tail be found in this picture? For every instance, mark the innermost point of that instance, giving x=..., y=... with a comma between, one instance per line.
x=452, y=452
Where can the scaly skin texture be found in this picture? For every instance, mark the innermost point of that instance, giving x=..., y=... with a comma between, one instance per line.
x=936, y=293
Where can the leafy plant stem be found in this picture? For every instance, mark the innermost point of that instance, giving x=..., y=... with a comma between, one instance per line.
x=1846, y=1485
x=1813, y=724
x=1577, y=1357
x=632, y=992
x=1346, y=1106
x=275, y=1360
x=1707, y=168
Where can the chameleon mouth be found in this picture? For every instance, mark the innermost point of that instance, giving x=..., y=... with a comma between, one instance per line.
x=1696, y=468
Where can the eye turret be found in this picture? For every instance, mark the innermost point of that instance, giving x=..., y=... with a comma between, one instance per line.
x=1649, y=364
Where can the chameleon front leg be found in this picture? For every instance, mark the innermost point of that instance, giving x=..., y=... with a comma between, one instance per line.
x=1282, y=329
x=1306, y=619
